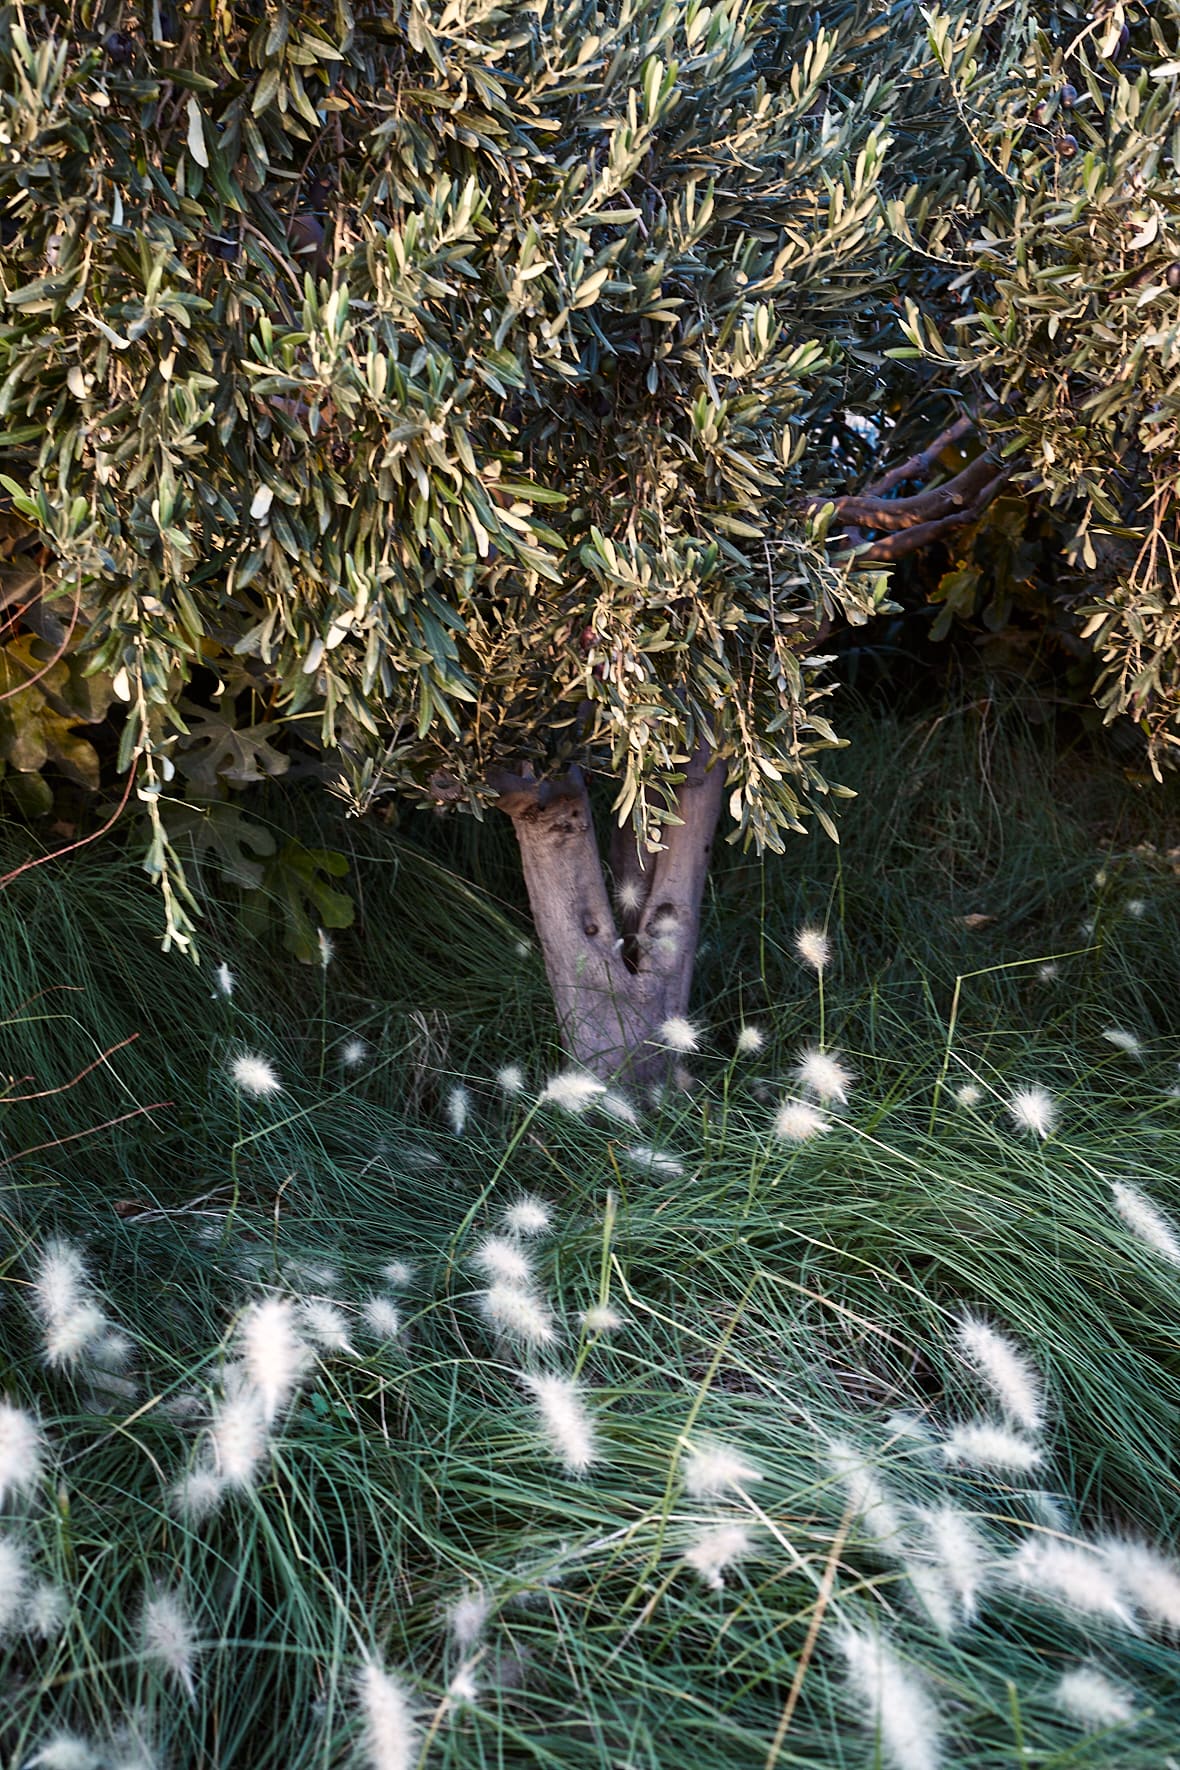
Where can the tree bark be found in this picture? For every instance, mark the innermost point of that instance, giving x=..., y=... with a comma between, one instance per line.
x=615, y=984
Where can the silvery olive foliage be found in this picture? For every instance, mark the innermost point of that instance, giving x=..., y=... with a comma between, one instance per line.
x=440, y=387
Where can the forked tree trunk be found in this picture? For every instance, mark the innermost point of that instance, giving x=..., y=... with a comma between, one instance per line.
x=615, y=983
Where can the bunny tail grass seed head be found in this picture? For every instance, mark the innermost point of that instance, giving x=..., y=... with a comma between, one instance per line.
x=274, y=1354
x=353, y=1052
x=398, y=1273
x=679, y=1034
x=458, y=1110
x=510, y=1079
x=467, y=1619
x=255, y=1075
x=968, y=1094
x=823, y=1075
x=167, y=1639
x=1073, y=1575
x=797, y=1120
x=710, y=1470
x=617, y=1106
x=982, y=1444
x=238, y=1436
x=750, y=1039
x=198, y=1495
x=325, y=1326
x=381, y=1318
x=14, y=1581
x=1123, y=1040
x=60, y=1284
x=1033, y=1109
x=565, y=1420
x=225, y=980
x=892, y=1702
x=814, y=948
x=572, y=1090
x=1005, y=1369
x=959, y=1551
x=47, y=1610
x=600, y=1318
x=68, y=1336
x=503, y=1259
x=326, y=950
x=64, y=1751
x=1149, y=1579
x=868, y=1498
x=1092, y=1699
x=1146, y=1220
x=518, y=1314
x=655, y=1161
x=716, y=1548
x=527, y=1216
x=391, y=1738
x=20, y=1450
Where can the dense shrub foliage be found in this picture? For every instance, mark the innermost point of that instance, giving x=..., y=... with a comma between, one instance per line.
x=448, y=386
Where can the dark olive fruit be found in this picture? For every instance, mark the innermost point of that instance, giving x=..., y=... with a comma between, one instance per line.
x=341, y=454
x=1124, y=39
x=1067, y=146
x=1068, y=96
x=1172, y=276
x=119, y=48
x=1041, y=113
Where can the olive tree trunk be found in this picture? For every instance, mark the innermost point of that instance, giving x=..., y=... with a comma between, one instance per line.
x=615, y=982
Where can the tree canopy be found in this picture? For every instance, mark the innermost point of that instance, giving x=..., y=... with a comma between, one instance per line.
x=456, y=387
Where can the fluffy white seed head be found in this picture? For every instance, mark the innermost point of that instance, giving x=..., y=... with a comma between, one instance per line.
x=398, y=1273
x=255, y=1075
x=273, y=1352
x=327, y=952
x=1137, y=907
x=462, y=1687
x=238, y=1437
x=1122, y=1040
x=983, y=1444
x=20, y=1450
x=565, y=1421
x=503, y=1259
x=869, y=1500
x=325, y=1326
x=225, y=980
x=813, y=947
x=1146, y=1220
x=64, y=1751
x=47, y=1610
x=458, y=1110
x=750, y=1039
x=68, y=1336
x=527, y=1216
x=655, y=1161
x=716, y=1548
x=14, y=1580
x=510, y=1079
x=468, y=1618
x=797, y=1120
x=391, y=1738
x=381, y=1318
x=1033, y=1109
x=969, y=1094
x=629, y=897
x=680, y=1034
x=823, y=1075
x=518, y=1314
x=617, y=1106
x=199, y=1494
x=353, y=1052
x=892, y=1701
x=960, y=1553
x=600, y=1318
x=1005, y=1369
x=1049, y=971
x=60, y=1284
x=1148, y=1579
x=710, y=1470
x=167, y=1638
x=572, y=1090
x=1072, y=1575
x=1089, y=1697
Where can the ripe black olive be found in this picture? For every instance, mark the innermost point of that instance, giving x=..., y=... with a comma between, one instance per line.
x=1068, y=96
x=1172, y=276
x=119, y=48
x=1066, y=146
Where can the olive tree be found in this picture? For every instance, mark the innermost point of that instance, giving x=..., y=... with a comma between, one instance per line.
x=486, y=397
